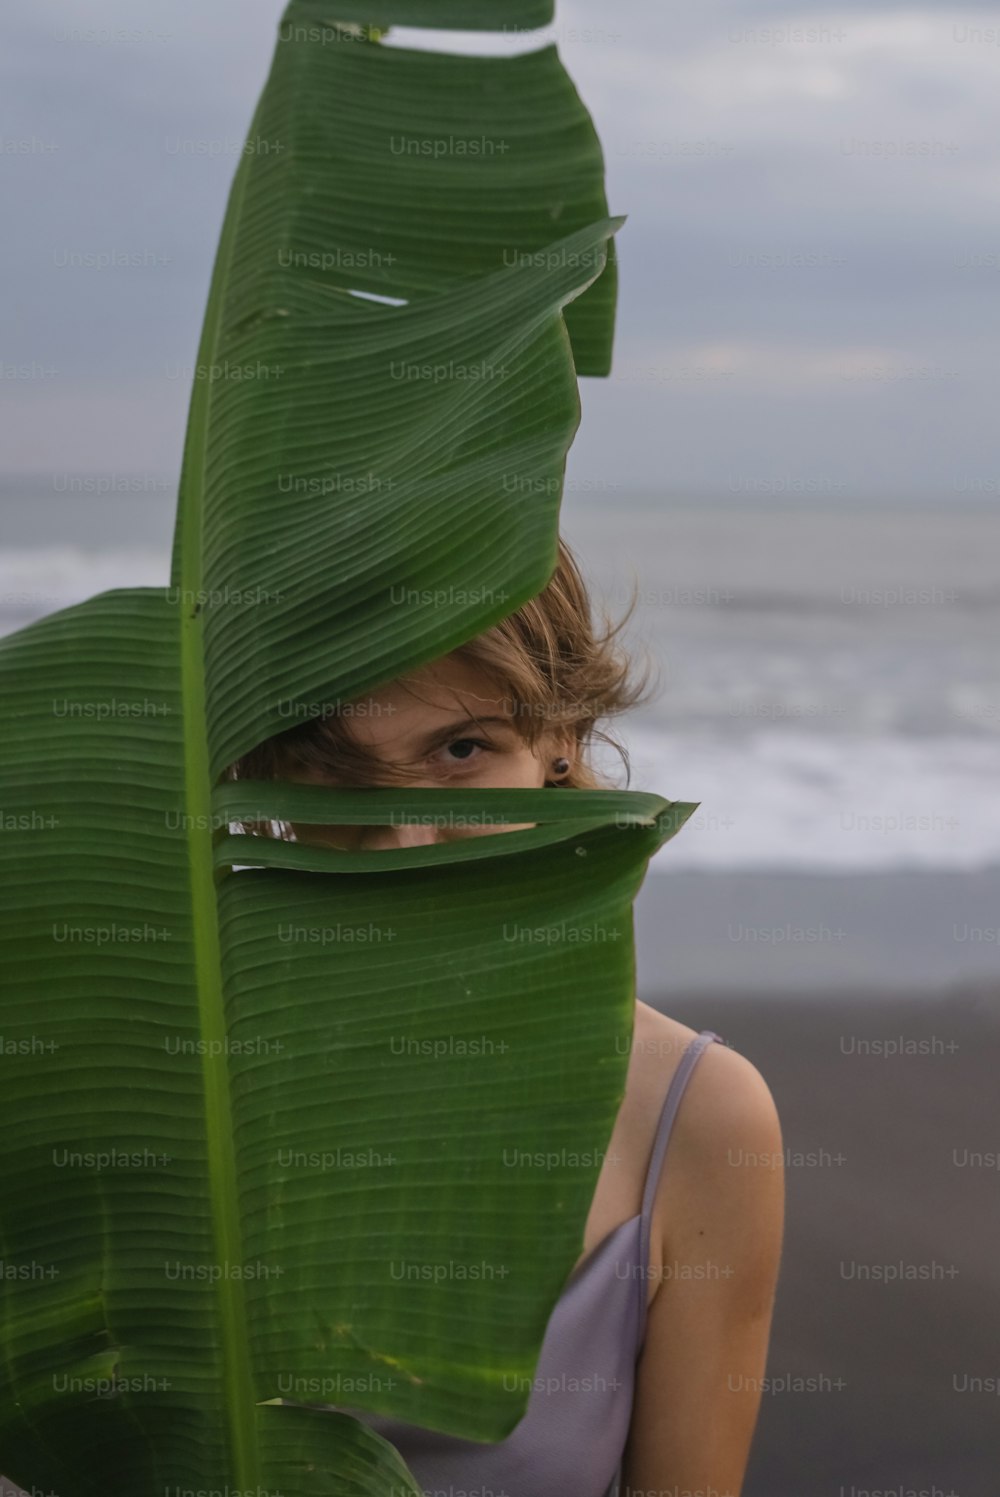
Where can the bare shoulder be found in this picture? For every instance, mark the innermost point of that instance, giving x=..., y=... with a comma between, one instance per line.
x=723, y=1169
x=728, y=1111
x=658, y=1043
x=714, y=1259
x=726, y=1099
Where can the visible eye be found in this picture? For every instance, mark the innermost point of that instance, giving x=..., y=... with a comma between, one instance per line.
x=465, y=748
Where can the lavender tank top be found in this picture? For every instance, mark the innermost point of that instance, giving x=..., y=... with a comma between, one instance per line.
x=572, y=1435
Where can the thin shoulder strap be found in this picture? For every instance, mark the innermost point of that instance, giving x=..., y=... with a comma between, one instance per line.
x=671, y=1102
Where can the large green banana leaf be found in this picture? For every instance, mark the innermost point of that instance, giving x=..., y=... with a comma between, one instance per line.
x=285, y=1126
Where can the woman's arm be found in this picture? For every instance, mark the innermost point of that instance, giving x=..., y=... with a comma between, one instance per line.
x=721, y=1198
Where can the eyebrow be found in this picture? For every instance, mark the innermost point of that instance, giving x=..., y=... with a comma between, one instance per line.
x=441, y=735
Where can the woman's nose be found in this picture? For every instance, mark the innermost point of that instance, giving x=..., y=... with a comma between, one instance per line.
x=403, y=835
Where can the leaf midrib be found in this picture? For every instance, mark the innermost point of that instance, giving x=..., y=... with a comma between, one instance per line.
x=238, y=1389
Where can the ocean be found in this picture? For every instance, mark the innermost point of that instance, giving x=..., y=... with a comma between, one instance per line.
x=827, y=675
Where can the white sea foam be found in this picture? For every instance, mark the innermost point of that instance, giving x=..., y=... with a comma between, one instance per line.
x=787, y=800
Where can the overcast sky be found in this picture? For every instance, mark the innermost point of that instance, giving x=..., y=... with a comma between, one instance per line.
x=740, y=138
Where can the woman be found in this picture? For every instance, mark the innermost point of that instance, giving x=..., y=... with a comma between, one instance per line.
x=650, y=1372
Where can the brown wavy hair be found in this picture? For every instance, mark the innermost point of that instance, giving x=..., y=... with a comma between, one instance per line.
x=552, y=666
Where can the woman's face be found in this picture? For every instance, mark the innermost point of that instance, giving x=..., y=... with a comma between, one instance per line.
x=426, y=718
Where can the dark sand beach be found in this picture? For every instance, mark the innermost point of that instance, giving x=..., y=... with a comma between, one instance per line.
x=885, y=1354
x=870, y=1002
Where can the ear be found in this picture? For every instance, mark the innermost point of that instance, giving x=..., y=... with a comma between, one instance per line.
x=560, y=744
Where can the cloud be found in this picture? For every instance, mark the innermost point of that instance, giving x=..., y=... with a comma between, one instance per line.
x=806, y=189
